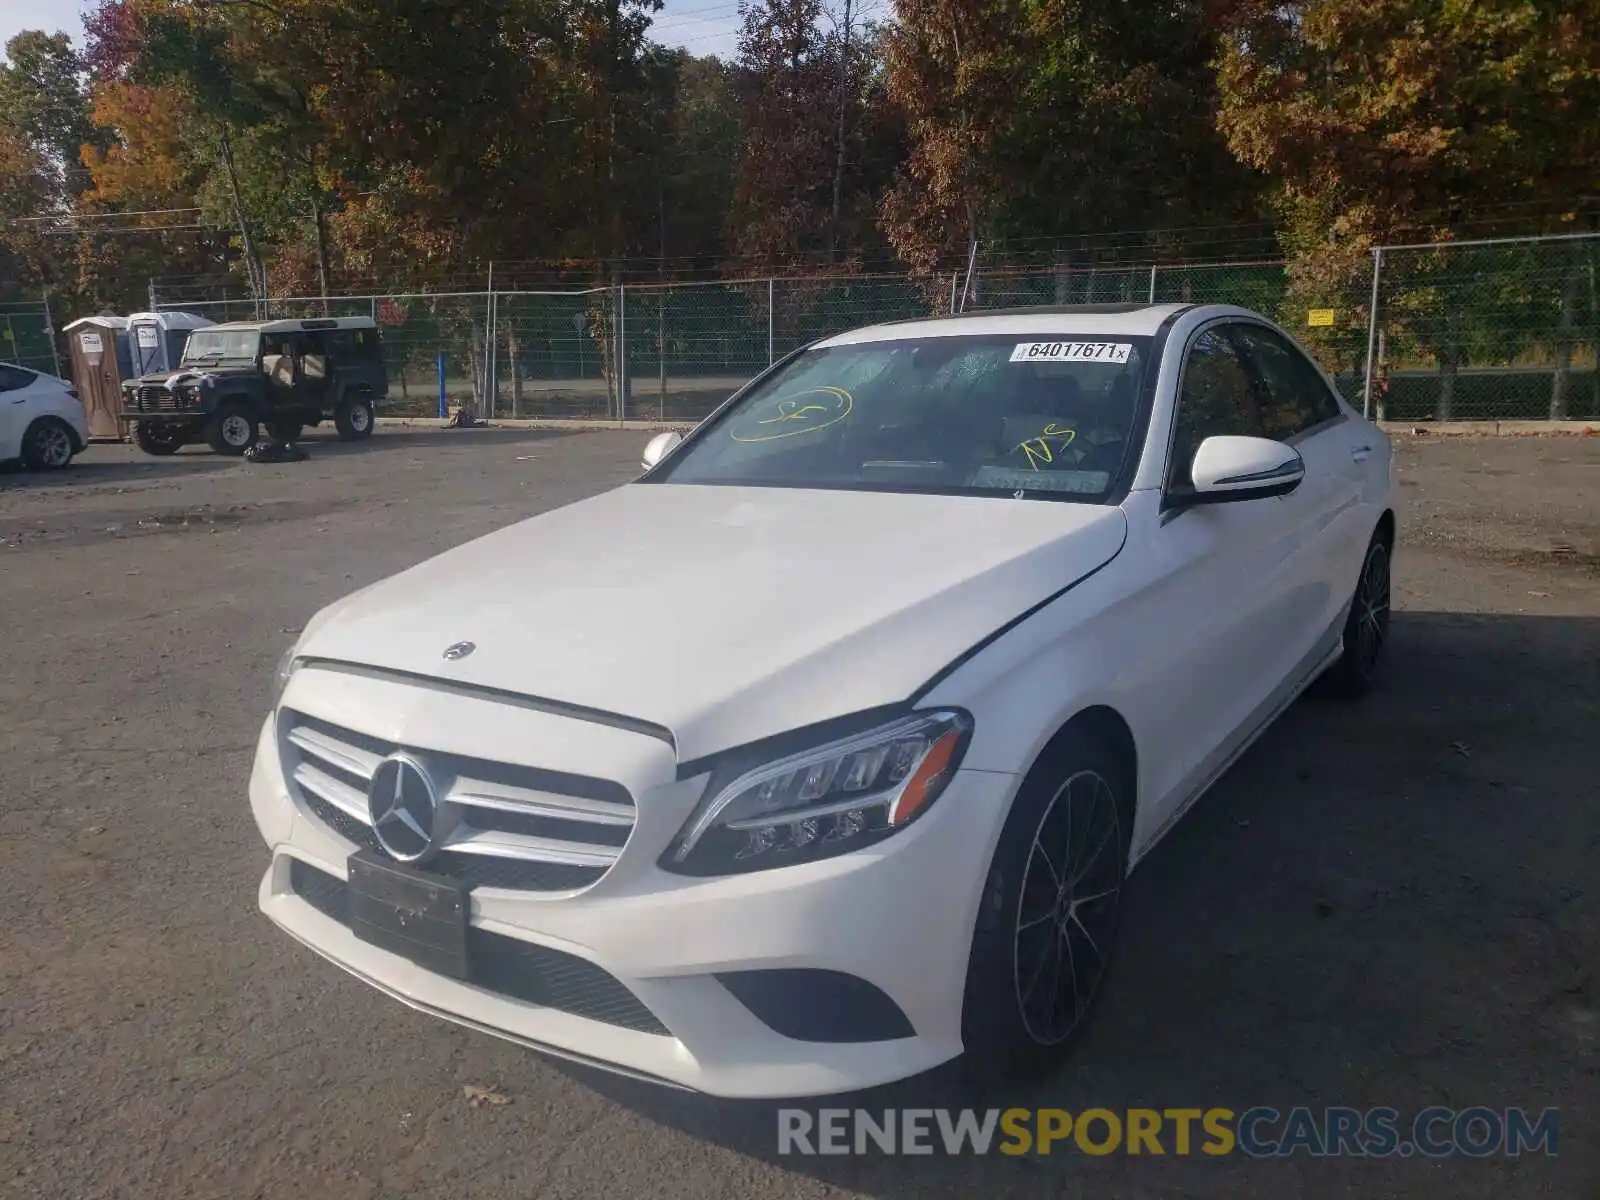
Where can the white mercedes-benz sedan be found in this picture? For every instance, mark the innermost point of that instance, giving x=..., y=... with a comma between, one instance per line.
x=818, y=755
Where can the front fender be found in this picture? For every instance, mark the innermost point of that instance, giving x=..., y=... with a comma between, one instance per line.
x=1103, y=642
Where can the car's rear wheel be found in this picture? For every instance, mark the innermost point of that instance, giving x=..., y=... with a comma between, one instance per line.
x=160, y=438
x=1366, y=629
x=354, y=418
x=1047, y=921
x=48, y=445
x=232, y=429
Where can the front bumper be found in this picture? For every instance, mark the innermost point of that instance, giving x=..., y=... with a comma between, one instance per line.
x=897, y=915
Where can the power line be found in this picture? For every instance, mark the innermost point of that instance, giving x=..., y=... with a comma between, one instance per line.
x=141, y=212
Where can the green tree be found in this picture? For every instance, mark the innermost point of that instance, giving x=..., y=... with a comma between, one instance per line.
x=43, y=97
x=1034, y=119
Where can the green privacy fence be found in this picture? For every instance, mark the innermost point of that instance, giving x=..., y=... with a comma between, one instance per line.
x=1485, y=330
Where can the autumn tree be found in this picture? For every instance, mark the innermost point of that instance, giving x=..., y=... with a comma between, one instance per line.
x=812, y=156
x=1383, y=119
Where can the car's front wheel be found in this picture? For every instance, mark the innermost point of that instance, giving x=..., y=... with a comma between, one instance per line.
x=159, y=438
x=1048, y=917
x=48, y=445
x=232, y=429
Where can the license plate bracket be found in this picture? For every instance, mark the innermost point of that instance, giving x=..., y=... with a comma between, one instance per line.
x=408, y=912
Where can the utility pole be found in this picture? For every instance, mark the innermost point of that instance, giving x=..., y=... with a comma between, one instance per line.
x=253, y=266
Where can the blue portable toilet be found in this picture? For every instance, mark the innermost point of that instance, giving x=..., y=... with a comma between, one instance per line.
x=156, y=339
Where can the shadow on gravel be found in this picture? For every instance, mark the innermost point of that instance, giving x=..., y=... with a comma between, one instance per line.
x=319, y=442
x=1385, y=903
x=90, y=473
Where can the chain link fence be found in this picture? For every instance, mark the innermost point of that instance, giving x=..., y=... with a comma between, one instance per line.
x=1487, y=330
x=28, y=339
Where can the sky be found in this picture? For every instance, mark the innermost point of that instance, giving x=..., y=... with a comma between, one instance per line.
x=702, y=26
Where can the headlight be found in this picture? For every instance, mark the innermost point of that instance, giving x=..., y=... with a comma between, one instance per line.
x=829, y=800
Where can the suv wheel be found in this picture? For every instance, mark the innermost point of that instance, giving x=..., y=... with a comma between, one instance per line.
x=231, y=429
x=354, y=419
x=158, y=437
x=1048, y=917
x=48, y=445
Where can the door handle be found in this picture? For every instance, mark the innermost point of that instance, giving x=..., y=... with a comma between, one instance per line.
x=1359, y=453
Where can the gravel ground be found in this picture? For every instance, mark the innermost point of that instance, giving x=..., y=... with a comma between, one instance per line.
x=1394, y=903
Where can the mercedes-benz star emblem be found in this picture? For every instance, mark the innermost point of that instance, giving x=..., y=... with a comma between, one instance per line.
x=403, y=804
x=459, y=650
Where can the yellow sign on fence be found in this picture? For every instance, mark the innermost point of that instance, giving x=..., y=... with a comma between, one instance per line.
x=1322, y=317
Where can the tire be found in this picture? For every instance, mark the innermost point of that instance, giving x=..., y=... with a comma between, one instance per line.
x=232, y=429
x=48, y=445
x=1366, y=630
x=354, y=419
x=1039, y=946
x=159, y=438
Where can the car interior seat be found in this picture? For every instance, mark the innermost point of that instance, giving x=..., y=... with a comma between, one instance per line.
x=279, y=369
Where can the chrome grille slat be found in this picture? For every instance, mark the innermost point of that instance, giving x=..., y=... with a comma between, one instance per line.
x=348, y=758
x=546, y=830
x=468, y=840
x=336, y=792
x=555, y=808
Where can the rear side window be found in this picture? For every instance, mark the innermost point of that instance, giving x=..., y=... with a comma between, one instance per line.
x=1217, y=399
x=1297, y=398
x=14, y=378
x=354, y=343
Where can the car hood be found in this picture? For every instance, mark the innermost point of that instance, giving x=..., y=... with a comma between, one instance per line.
x=724, y=614
x=190, y=373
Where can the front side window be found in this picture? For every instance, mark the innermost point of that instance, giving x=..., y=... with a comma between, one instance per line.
x=1042, y=416
x=215, y=345
x=1297, y=398
x=1217, y=398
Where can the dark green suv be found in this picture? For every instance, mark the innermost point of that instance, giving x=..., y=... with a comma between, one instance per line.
x=285, y=375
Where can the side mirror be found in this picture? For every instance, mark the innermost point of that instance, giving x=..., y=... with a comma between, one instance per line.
x=1243, y=468
x=659, y=447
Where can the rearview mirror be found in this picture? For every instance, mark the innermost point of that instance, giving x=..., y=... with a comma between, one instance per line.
x=1243, y=468
x=659, y=447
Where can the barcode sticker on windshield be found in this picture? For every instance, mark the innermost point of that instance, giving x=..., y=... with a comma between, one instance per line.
x=1113, y=352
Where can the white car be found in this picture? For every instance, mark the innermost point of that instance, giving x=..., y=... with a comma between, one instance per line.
x=41, y=419
x=817, y=756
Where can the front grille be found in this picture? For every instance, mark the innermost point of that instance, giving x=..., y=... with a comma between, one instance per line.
x=510, y=967
x=153, y=398
x=499, y=824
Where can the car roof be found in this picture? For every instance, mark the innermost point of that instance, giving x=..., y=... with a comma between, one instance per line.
x=309, y=325
x=1128, y=320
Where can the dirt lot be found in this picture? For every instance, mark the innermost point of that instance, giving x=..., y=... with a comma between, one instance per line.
x=1391, y=904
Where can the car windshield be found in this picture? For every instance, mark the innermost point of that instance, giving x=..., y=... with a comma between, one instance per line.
x=1041, y=416
x=213, y=344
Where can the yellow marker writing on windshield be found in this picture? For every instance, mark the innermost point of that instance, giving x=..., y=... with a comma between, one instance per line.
x=793, y=414
x=1037, y=449
x=794, y=418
